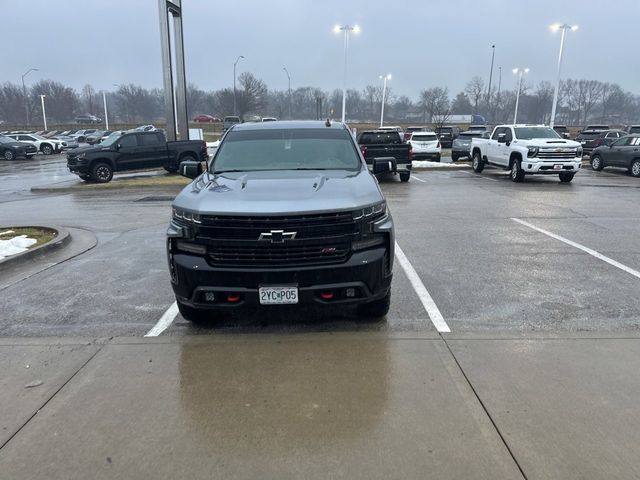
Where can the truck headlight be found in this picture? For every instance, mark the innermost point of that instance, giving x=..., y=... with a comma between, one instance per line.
x=184, y=217
x=532, y=152
x=579, y=152
x=374, y=211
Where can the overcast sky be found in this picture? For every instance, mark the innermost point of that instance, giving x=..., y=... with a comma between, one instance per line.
x=422, y=43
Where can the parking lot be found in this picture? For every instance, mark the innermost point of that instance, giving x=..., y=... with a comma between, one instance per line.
x=471, y=240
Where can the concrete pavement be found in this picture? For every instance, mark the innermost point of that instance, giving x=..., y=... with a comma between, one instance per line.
x=342, y=405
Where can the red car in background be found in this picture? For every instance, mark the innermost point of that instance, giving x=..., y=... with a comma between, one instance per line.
x=205, y=119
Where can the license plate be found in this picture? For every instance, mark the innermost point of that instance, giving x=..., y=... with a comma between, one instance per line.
x=557, y=167
x=278, y=295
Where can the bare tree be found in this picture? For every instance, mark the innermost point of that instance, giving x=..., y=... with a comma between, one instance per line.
x=475, y=90
x=252, y=94
x=88, y=95
x=541, y=102
x=435, y=103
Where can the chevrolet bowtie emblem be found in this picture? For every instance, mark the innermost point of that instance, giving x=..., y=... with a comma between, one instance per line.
x=277, y=236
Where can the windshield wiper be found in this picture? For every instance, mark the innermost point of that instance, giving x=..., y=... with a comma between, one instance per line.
x=309, y=168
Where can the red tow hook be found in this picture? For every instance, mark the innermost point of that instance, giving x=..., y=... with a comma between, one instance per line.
x=326, y=295
x=232, y=298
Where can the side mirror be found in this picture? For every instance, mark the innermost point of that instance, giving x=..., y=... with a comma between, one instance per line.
x=118, y=146
x=190, y=169
x=502, y=138
x=383, y=165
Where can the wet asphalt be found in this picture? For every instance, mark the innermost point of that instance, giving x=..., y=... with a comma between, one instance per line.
x=484, y=271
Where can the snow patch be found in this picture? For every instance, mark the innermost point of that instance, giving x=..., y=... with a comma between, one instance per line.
x=428, y=164
x=15, y=245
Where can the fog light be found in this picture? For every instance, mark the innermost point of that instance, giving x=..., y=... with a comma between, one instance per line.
x=350, y=292
x=209, y=297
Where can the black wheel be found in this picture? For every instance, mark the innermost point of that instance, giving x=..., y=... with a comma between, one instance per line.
x=376, y=309
x=478, y=164
x=102, y=172
x=437, y=159
x=517, y=174
x=566, y=177
x=194, y=315
x=46, y=149
x=635, y=168
x=454, y=158
x=596, y=163
x=171, y=169
x=9, y=155
x=404, y=176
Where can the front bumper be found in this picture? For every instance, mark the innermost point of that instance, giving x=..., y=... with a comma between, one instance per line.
x=534, y=165
x=366, y=272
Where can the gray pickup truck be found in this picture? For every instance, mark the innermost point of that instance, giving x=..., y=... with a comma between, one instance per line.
x=285, y=213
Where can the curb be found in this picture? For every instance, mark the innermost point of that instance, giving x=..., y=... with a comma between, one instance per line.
x=62, y=238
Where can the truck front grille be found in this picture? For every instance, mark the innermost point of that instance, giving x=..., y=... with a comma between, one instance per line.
x=553, y=155
x=248, y=241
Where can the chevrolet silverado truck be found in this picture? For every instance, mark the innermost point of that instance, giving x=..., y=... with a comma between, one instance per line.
x=132, y=151
x=527, y=150
x=377, y=144
x=286, y=213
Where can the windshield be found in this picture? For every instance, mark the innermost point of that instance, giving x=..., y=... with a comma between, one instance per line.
x=6, y=140
x=469, y=135
x=291, y=149
x=110, y=140
x=528, y=133
x=424, y=137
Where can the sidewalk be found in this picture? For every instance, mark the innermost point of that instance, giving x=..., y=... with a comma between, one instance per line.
x=347, y=405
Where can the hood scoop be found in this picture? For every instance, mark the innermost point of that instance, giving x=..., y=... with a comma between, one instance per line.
x=318, y=182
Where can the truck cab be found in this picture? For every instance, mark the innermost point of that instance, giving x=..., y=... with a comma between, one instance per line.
x=527, y=150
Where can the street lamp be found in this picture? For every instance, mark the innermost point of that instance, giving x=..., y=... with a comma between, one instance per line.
x=289, y=79
x=519, y=72
x=24, y=92
x=106, y=115
x=347, y=29
x=44, y=113
x=564, y=29
x=234, y=83
x=384, y=91
x=493, y=54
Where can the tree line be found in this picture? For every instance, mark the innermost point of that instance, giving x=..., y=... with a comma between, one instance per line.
x=579, y=102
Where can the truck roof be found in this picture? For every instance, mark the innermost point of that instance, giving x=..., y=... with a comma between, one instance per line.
x=287, y=124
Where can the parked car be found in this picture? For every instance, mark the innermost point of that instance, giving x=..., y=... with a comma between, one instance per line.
x=269, y=119
x=285, y=214
x=461, y=146
x=597, y=127
x=562, y=130
x=527, y=150
x=10, y=149
x=590, y=139
x=386, y=146
x=96, y=137
x=633, y=129
x=229, y=121
x=87, y=119
x=425, y=146
x=447, y=135
x=144, y=128
x=622, y=153
x=81, y=135
x=132, y=151
x=393, y=129
x=45, y=145
x=205, y=119
x=409, y=130
x=477, y=128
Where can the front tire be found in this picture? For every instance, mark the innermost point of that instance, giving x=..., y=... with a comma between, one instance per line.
x=454, y=158
x=46, y=149
x=596, y=163
x=517, y=173
x=9, y=155
x=566, y=177
x=404, y=176
x=102, y=172
x=376, y=309
x=437, y=159
x=635, y=168
x=478, y=164
x=194, y=315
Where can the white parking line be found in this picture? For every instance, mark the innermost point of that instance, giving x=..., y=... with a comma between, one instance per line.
x=419, y=179
x=165, y=320
x=427, y=302
x=591, y=252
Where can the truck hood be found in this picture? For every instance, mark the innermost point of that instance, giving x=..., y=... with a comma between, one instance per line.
x=279, y=192
x=90, y=149
x=549, y=143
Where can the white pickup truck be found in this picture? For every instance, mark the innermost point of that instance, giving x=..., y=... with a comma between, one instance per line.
x=527, y=150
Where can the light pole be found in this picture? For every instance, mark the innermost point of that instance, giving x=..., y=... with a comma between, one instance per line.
x=234, y=83
x=499, y=86
x=44, y=113
x=24, y=92
x=106, y=115
x=519, y=72
x=289, y=79
x=493, y=54
x=564, y=29
x=347, y=29
x=384, y=91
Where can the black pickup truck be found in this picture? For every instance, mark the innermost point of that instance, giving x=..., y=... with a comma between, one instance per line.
x=132, y=151
x=389, y=145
